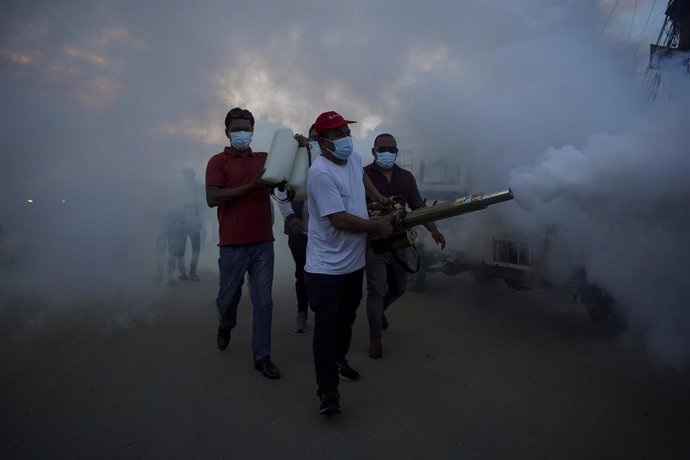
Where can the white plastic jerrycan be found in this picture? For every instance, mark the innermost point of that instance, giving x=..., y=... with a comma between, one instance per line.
x=297, y=181
x=281, y=156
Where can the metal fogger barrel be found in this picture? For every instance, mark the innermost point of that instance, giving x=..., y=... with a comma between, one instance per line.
x=464, y=205
x=403, y=221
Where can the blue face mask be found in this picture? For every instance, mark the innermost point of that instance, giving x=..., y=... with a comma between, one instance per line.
x=342, y=147
x=385, y=159
x=240, y=140
x=315, y=149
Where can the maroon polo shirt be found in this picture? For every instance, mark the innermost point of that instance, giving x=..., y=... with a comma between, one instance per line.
x=248, y=219
x=402, y=186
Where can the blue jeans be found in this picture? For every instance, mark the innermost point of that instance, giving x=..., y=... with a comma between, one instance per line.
x=234, y=262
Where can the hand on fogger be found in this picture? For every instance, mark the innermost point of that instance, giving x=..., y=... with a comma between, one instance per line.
x=383, y=226
x=382, y=203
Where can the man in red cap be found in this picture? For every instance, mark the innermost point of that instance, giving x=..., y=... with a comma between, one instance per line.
x=337, y=189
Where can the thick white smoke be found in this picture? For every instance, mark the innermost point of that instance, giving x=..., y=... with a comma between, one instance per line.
x=558, y=114
x=620, y=206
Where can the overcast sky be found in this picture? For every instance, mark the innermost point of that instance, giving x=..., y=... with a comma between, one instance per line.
x=81, y=74
x=106, y=101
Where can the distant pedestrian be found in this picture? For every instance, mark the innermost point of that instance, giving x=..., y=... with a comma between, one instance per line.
x=190, y=225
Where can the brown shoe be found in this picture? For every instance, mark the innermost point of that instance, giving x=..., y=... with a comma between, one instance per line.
x=375, y=349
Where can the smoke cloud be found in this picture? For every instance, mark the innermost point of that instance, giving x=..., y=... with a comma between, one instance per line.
x=109, y=101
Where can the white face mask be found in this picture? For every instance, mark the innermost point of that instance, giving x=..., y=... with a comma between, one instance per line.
x=240, y=140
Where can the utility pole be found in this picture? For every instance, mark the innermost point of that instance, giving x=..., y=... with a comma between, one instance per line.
x=672, y=48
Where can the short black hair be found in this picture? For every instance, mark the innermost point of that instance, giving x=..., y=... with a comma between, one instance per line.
x=383, y=135
x=238, y=112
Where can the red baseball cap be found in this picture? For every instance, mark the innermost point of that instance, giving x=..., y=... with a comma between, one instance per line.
x=330, y=120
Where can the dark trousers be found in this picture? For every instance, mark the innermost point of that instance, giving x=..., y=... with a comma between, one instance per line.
x=334, y=299
x=386, y=282
x=298, y=247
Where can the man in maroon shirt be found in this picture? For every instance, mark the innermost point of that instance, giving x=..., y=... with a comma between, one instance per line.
x=234, y=186
x=386, y=278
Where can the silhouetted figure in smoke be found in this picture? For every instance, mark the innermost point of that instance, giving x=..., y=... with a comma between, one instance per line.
x=168, y=242
x=189, y=224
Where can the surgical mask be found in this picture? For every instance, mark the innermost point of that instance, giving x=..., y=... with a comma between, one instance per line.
x=314, y=148
x=385, y=159
x=240, y=140
x=342, y=147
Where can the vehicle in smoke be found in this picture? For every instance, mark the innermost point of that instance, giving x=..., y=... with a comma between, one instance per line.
x=521, y=264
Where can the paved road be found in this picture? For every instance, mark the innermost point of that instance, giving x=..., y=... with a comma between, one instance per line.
x=467, y=373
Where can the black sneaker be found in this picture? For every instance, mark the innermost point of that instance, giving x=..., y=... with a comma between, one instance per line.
x=223, y=338
x=346, y=372
x=384, y=322
x=330, y=401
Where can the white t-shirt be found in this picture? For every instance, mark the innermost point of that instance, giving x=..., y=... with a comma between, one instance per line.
x=332, y=188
